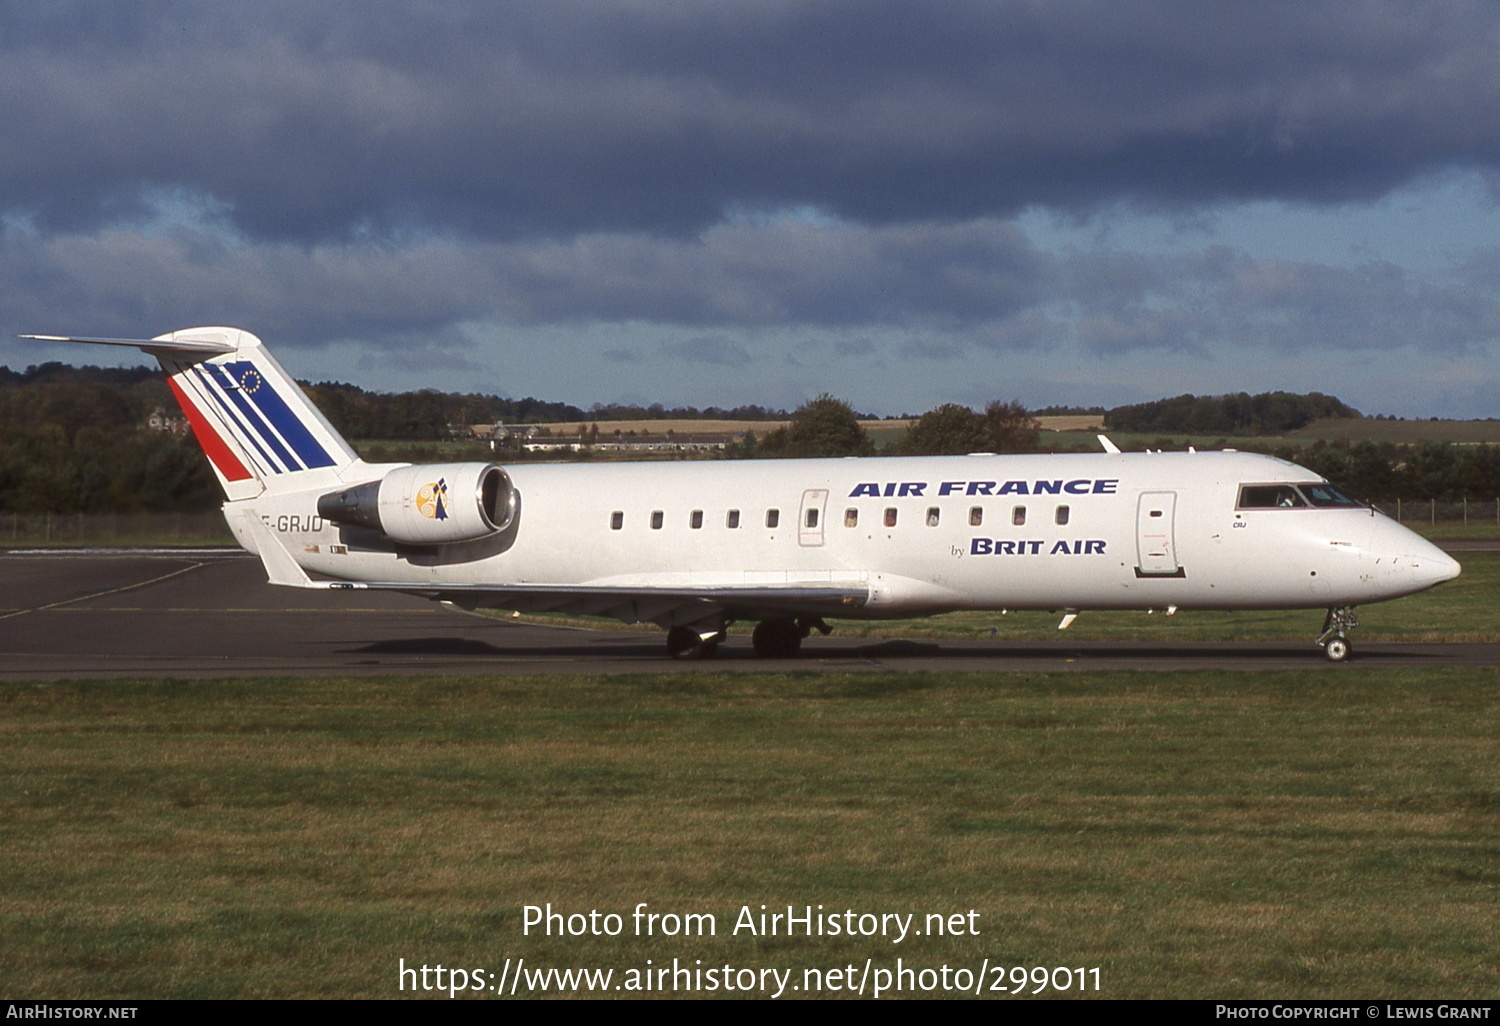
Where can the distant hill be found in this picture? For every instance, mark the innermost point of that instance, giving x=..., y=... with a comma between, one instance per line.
x=1269, y=413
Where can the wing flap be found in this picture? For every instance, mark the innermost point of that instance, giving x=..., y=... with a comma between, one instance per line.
x=631, y=604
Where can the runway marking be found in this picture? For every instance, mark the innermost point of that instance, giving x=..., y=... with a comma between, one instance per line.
x=101, y=594
x=126, y=553
x=201, y=609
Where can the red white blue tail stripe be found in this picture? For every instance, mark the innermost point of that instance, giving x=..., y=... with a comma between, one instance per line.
x=259, y=418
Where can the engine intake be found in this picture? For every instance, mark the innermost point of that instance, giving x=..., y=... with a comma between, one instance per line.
x=428, y=504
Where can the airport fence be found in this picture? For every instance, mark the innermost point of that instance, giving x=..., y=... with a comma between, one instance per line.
x=1434, y=512
x=130, y=530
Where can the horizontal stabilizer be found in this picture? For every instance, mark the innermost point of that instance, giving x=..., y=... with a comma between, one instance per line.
x=154, y=346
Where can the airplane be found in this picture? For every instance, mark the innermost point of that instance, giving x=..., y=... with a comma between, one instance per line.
x=694, y=547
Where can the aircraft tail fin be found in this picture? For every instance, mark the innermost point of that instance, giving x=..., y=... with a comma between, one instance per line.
x=256, y=425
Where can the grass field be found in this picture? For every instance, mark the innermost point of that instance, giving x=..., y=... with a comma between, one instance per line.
x=1073, y=431
x=1402, y=432
x=1332, y=832
x=116, y=530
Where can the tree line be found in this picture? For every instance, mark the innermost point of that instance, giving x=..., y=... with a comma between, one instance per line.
x=75, y=440
x=429, y=415
x=1383, y=472
x=1269, y=413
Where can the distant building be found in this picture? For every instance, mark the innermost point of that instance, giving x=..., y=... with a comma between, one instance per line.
x=161, y=420
x=679, y=443
x=496, y=432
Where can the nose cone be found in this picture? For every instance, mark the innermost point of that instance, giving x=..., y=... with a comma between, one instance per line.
x=1417, y=564
x=1431, y=566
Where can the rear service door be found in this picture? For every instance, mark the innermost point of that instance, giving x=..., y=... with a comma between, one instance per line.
x=1155, y=546
x=810, y=520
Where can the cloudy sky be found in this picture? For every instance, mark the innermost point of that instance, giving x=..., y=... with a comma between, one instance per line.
x=902, y=203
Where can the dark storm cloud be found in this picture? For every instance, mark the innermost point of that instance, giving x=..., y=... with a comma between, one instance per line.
x=951, y=288
x=723, y=352
x=778, y=273
x=1222, y=299
x=307, y=123
x=855, y=347
x=748, y=276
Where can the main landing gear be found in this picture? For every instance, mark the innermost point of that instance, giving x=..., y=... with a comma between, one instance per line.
x=773, y=639
x=1338, y=620
x=780, y=639
x=694, y=642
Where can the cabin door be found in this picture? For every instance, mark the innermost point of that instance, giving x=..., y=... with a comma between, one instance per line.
x=1156, y=546
x=810, y=520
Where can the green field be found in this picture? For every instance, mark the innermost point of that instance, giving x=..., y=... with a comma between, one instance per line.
x=1401, y=432
x=113, y=530
x=1329, y=832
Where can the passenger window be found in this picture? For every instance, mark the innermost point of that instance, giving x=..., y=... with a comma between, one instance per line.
x=1062, y=515
x=851, y=518
x=890, y=516
x=976, y=516
x=933, y=513
x=656, y=519
x=617, y=520
x=1018, y=516
x=696, y=520
x=773, y=517
x=812, y=518
x=1275, y=496
x=732, y=519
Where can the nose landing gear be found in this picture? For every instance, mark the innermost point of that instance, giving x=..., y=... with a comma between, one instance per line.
x=1335, y=645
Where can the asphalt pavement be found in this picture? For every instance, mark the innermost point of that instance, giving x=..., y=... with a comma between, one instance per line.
x=210, y=613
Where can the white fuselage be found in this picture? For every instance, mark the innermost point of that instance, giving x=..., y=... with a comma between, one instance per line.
x=1073, y=531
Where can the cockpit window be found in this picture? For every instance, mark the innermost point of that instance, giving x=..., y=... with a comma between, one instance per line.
x=1270, y=496
x=1327, y=495
x=1300, y=496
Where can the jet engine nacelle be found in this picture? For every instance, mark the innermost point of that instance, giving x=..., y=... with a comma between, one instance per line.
x=428, y=504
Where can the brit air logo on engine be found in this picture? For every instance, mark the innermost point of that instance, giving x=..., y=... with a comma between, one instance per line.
x=432, y=500
x=918, y=489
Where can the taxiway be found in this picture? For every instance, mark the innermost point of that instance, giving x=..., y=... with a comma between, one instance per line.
x=209, y=613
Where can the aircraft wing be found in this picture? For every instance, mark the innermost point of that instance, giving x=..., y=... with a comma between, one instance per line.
x=630, y=603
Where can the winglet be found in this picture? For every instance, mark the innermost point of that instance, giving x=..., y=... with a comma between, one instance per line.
x=281, y=568
x=1108, y=445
